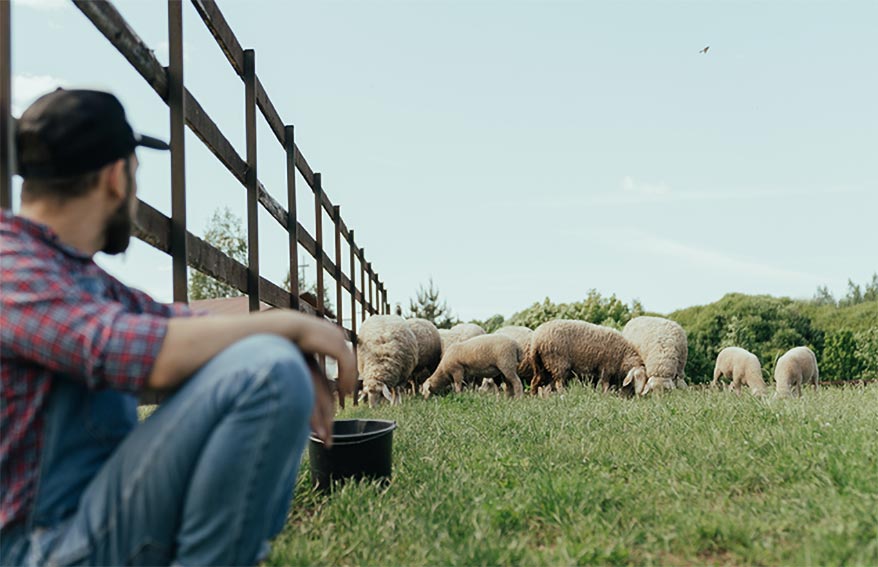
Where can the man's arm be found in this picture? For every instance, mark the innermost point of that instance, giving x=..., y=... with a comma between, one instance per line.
x=192, y=341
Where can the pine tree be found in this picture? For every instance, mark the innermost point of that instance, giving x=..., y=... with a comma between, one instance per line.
x=224, y=232
x=427, y=306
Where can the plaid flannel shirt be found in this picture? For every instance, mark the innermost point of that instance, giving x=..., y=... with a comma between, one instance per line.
x=61, y=314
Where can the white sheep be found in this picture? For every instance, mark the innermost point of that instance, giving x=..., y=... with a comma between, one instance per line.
x=479, y=357
x=560, y=348
x=796, y=367
x=459, y=333
x=742, y=368
x=429, y=350
x=522, y=336
x=387, y=353
x=663, y=346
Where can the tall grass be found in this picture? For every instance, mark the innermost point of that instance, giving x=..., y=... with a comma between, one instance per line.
x=703, y=477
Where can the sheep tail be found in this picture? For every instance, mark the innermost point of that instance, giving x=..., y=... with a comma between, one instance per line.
x=539, y=369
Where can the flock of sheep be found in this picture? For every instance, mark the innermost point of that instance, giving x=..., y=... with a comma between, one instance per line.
x=649, y=354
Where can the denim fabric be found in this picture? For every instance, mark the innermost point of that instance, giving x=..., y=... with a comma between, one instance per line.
x=206, y=480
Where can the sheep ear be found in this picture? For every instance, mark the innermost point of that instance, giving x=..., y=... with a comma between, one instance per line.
x=628, y=379
x=385, y=391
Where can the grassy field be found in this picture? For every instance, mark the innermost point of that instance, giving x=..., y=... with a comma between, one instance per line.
x=695, y=477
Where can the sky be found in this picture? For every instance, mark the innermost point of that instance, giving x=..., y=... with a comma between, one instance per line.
x=518, y=150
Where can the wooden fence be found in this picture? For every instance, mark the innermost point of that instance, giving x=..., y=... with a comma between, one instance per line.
x=170, y=235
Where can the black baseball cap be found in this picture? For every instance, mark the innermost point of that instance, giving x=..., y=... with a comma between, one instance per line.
x=72, y=132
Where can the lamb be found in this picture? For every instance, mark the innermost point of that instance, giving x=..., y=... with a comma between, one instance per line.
x=479, y=357
x=429, y=350
x=797, y=366
x=561, y=347
x=387, y=353
x=522, y=336
x=459, y=333
x=742, y=368
x=663, y=346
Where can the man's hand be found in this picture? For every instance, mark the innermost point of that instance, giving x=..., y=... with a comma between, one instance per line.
x=316, y=336
x=324, y=403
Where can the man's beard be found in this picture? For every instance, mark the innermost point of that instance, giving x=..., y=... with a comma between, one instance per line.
x=117, y=232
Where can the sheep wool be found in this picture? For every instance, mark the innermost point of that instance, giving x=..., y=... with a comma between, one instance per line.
x=522, y=336
x=796, y=367
x=387, y=352
x=664, y=348
x=562, y=347
x=429, y=349
x=484, y=356
x=742, y=368
x=459, y=333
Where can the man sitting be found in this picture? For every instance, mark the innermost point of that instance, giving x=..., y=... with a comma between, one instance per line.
x=208, y=478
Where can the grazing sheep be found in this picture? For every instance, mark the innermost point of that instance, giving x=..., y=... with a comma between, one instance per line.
x=429, y=350
x=559, y=348
x=742, y=368
x=797, y=366
x=387, y=352
x=458, y=334
x=480, y=357
x=663, y=346
x=522, y=336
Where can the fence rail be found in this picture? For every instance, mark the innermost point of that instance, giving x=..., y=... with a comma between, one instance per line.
x=169, y=234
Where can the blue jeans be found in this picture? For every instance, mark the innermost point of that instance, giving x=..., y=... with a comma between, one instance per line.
x=206, y=480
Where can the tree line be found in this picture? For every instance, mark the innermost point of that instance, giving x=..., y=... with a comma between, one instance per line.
x=843, y=333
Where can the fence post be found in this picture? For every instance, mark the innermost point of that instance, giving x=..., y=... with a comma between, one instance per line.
x=292, y=222
x=318, y=237
x=336, y=214
x=352, y=249
x=252, y=188
x=363, y=283
x=371, y=288
x=176, y=102
x=7, y=139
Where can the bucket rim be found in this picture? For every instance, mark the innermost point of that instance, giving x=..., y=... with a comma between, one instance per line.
x=355, y=438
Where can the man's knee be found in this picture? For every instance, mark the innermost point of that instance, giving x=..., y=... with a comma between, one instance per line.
x=283, y=366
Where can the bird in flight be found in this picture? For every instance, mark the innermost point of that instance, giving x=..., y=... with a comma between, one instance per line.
x=704, y=50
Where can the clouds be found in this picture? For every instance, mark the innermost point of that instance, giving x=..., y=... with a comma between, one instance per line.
x=713, y=260
x=27, y=88
x=641, y=189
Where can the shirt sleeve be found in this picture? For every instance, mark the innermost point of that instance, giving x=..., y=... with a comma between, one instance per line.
x=50, y=323
x=143, y=303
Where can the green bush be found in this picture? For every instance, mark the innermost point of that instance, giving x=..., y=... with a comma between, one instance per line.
x=609, y=311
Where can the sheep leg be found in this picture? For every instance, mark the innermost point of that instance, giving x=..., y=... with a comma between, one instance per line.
x=736, y=385
x=457, y=377
x=515, y=389
x=717, y=374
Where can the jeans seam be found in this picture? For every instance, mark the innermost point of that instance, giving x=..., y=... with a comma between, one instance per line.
x=260, y=453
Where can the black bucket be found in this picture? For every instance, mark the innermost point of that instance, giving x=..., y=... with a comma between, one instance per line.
x=361, y=448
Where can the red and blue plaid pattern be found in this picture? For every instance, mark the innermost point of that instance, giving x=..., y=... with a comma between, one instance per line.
x=61, y=314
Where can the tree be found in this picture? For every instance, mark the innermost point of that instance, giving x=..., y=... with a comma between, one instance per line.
x=490, y=324
x=427, y=306
x=823, y=297
x=840, y=360
x=224, y=232
x=857, y=294
x=609, y=311
x=867, y=352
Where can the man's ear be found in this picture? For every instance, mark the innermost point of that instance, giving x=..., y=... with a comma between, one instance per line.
x=115, y=179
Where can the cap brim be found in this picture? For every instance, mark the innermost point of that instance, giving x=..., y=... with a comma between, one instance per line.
x=150, y=142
